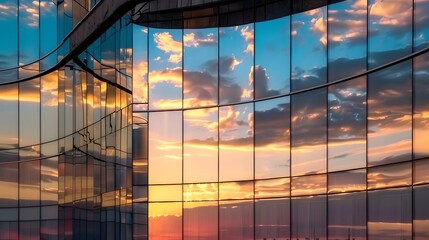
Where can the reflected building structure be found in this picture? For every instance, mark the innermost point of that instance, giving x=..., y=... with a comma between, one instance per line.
x=213, y=119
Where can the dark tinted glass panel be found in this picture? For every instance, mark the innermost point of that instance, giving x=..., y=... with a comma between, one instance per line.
x=347, y=216
x=347, y=27
x=272, y=219
x=347, y=125
x=165, y=68
x=200, y=146
x=421, y=105
x=389, y=176
x=309, y=38
x=272, y=138
x=309, y=219
x=390, y=28
x=236, y=142
x=347, y=181
x=421, y=212
x=389, y=214
x=272, y=57
x=389, y=115
x=308, y=127
x=200, y=86
x=236, y=49
x=236, y=220
x=200, y=220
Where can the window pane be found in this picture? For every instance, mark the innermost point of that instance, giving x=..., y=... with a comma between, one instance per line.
x=421, y=171
x=421, y=213
x=165, y=147
x=272, y=188
x=29, y=183
x=165, y=71
x=236, y=220
x=389, y=214
x=347, y=125
x=272, y=58
x=421, y=105
x=272, y=136
x=236, y=142
x=200, y=86
x=389, y=115
x=236, y=46
x=200, y=220
x=390, y=30
x=347, y=216
x=308, y=185
x=347, y=27
x=272, y=219
x=389, y=176
x=235, y=190
x=421, y=23
x=9, y=44
x=200, y=192
x=309, y=218
x=9, y=185
x=9, y=120
x=347, y=181
x=165, y=221
x=169, y=193
x=309, y=132
x=309, y=39
x=201, y=145
x=140, y=64
x=29, y=113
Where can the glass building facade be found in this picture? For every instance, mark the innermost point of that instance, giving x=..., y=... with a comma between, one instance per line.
x=278, y=119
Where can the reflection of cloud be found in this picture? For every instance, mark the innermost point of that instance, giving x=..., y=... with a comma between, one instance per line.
x=201, y=86
x=319, y=25
x=248, y=35
x=168, y=75
x=196, y=39
x=392, y=12
x=261, y=82
x=165, y=42
x=230, y=121
x=140, y=82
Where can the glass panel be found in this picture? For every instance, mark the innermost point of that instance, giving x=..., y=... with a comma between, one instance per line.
x=49, y=181
x=49, y=107
x=48, y=32
x=308, y=185
x=421, y=105
x=420, y=171
x=29, y=113
x=9, y=185
x=9, y=44
x=169, y=193
x=272, y=138
x=272, y=58
x=236, y=220
x=235, y=190
x=9, y=120
x=236, y=142
x=309, y=218
x=165, y=147
x=236, y=48
x=389, y=214
x=309, y=38
x=272, y=188
x=347, y=181
x=347, y=27
x=421, y=23
x=421, y=213
x=347, y=216
x=200, y=191
x=347, y=125
x=389, y=115
x=272, y=219
x=140, y=64
x=29, y=183
x=165, y=71
x=390, y=30
x=200, y=145
x=165, y=221
x=28, y=36
x=389, y=176
x=200, y=86
x=309, y=132
x=200, y=220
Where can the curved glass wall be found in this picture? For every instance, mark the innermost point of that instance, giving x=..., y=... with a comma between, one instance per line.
x=282, y=129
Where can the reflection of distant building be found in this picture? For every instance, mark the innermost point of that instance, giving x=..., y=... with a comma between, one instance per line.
x=272, y=119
